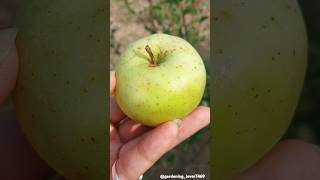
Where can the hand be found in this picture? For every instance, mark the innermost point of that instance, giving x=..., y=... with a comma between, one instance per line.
x=8, y=62
x=17, y=158
x=136, y=148
x=288, y=160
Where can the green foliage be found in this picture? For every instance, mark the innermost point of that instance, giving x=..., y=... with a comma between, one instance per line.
x=171, y=159
x=113, y=45
x=176, y=17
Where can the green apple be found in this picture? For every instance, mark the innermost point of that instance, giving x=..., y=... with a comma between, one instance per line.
x=159, y=78
x=61, y=93
x=259, y=62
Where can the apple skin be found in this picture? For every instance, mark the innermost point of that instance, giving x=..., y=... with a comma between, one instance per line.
x=259, y=62
x=61, y=92
x=152, y=95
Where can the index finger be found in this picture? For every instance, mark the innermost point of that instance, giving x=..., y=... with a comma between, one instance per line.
x=116, y=115
x=193, y=123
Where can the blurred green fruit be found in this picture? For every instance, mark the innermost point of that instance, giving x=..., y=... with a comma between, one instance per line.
x=259, y=63
x=60, y=96
x=159, y=78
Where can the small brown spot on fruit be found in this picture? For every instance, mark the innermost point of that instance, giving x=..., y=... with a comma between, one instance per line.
x=273, y=18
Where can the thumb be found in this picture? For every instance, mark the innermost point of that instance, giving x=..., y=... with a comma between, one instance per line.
x=135, y=160
x=8, y=62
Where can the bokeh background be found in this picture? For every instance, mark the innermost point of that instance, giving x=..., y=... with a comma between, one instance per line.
x=306, y=122
x=189, y=19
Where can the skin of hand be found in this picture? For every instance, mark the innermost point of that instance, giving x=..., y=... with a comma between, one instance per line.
x=288, y=160
x=8, y=62
x=18, y=160
x=7, y=10
x=136, y=147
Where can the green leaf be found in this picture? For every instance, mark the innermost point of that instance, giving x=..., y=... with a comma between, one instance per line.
x=203, y=18
x=159, y=14
x=191, y=1
x=174, y=2
x=190, y=10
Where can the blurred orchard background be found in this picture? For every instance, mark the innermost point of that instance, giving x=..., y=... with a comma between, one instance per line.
x=189, y=19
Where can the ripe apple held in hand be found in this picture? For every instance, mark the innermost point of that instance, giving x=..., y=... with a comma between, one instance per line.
x=159, y=78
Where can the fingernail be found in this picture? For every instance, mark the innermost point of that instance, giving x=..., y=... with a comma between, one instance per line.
x=7, y=39
x=178, y=122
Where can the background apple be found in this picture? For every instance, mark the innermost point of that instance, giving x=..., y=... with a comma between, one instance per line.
x=259, y=62
x=60, y=96
x=159, y=78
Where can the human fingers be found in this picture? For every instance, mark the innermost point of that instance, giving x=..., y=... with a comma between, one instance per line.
x=115, y=145
x=201, y=116
x=18, y=158
x=116, y=115
x=112, y=82
x=8, y=62
x=288, y=160
x=131, y=129
x=7, y=12
x=194, y=122
x=137, y=159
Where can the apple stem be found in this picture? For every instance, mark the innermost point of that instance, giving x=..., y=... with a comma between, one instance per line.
x=153, y=60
